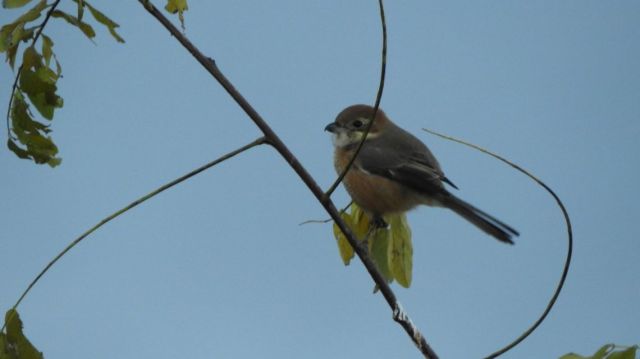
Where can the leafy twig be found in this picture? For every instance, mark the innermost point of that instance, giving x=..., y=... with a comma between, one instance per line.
x=15, y=81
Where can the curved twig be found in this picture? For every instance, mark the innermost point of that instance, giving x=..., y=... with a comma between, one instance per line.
x=138, y=201
x=567, y=263
x=383, y=71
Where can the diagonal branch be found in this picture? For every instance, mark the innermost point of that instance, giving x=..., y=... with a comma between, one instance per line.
x=138, y=201
x=209, y=64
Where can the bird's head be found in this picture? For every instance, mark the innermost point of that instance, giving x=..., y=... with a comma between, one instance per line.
x=351, y=124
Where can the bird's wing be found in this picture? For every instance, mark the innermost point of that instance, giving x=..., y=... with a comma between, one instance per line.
x=418, y=163
x=413, y=169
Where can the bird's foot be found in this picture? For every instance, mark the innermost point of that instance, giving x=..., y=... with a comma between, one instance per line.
x=379, y=222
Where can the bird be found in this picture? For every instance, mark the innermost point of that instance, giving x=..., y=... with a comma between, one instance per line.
x=395, y=172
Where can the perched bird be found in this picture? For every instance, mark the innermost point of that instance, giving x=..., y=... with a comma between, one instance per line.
x=395, y=172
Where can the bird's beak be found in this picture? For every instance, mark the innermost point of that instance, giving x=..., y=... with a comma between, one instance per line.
x=332, y=127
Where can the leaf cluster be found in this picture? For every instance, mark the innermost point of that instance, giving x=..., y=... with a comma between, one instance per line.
x=37, y=75
x=390, y=248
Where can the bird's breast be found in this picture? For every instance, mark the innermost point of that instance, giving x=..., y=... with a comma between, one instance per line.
x=375, y=194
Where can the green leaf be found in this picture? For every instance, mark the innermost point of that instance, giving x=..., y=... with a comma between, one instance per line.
x=17, y=150
x=47, y=44
x=54, y=162
x=31, y=134
x=80, y=9
x=16, y=34
x=5, y=31
x=12, y=4
x=83, y=26
x=31, y=14
x=31, y=59
x=379, y=249
x=28, y=34
x=15, y=343
x=573, y=356
x=629, y=353
x=606, y=351
x=58, y=71
x=47, y=74
x=39, y=83
x=9, y=39
x=4, y=351
x=11, y=56
x=104, y=20
x=177, y=6
x=400, y=249
x=603, y=351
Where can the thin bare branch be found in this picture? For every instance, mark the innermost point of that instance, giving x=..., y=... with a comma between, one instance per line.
x=321, y=221
x=383, y=71
x=273, y=139
x=567, y=262
x=138, y=201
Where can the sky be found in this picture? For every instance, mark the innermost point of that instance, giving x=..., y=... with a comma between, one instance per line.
x=219, y=266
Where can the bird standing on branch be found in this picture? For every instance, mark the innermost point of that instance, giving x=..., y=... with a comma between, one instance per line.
x=395, y=172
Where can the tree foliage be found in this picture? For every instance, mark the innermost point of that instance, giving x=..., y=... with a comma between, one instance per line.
x=35, y=85
x=607, y=351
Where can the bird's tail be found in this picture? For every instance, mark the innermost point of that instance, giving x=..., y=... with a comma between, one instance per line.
x=479, y=218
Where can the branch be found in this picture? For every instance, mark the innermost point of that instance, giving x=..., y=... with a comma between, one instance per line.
x=325, y=220
x=567, y=263
x=383, y=71
x=138, y=201
x=275, y=141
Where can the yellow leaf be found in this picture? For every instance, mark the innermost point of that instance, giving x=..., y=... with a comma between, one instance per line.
x=177, y=6
x=174, y=6
x=345, y=249
x=360, y=221
x=400, y=250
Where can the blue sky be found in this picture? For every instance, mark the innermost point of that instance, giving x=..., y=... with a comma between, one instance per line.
x=219, y=267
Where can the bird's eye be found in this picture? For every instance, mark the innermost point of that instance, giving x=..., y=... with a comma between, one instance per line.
x=357, y=123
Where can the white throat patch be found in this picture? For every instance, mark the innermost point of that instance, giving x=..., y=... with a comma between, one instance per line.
x=341, y=139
